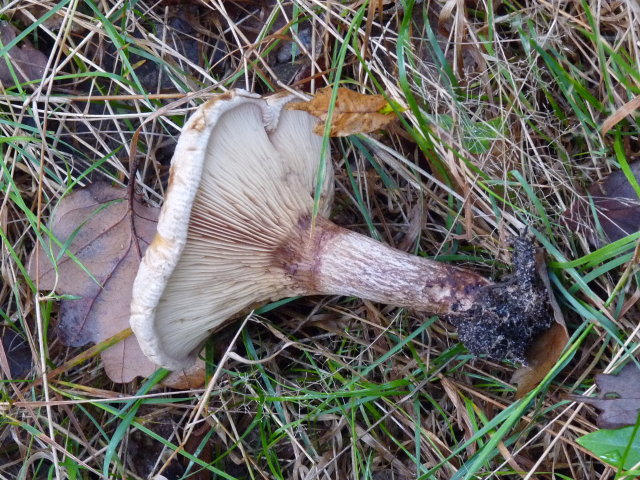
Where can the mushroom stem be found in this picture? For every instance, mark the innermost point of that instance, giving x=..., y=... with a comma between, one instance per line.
x=336, y=261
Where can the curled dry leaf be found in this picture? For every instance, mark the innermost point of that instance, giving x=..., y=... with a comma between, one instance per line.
x=547, y=348
x=353, y=112
x=27, y=62
x=97, y=268
x=628, y=109
x=619, y=397
x=616, y=206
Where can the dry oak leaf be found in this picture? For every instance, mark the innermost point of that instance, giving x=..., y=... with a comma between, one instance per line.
x=616, y=205
x=353, y=112
x=27, y=62
x=98, y=267
x=619, y=397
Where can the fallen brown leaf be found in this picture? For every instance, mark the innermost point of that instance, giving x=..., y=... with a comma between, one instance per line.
x=98, y=267
x=353, y=112
x=17, y=352
x=619, y=397
x=143, y=451
x=28, y=62
x=545, y=351
x=26, y=12
x=204, y=451
x=617, y=206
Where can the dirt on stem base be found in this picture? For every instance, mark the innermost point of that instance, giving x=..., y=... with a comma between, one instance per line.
x=508, y=316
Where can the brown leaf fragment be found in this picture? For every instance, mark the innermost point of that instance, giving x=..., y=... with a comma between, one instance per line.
x=547, y=348
x=27, y=62
x=25, y=12
x=204, y=451
x=98, y=266
x=189, y=379
x=618, y=399
x=542, y=356
x=353, y=112
x=628, y=109
x=144, y=452
x=616, y=205
x=17, y=352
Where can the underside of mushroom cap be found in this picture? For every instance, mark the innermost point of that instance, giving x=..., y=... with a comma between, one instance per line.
x=242, y=177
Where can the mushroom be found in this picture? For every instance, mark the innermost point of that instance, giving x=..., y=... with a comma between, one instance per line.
x=237, y=230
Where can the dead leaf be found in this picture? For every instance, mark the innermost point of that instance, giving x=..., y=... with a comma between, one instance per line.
x=17, y=352
x=27, y=11
x=619, y=397
x=28, y=63
x=353, y=112
x=96, y=222
x=545, y=351
x=204, y=451
x=98, y=267
x=144, y=451
x=189, y=379
x=628, y=109
x=617, y=206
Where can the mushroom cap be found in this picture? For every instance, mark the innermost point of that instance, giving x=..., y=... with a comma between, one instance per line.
x=242, y=178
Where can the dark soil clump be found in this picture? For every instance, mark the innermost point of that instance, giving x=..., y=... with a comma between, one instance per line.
x=509, y=315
